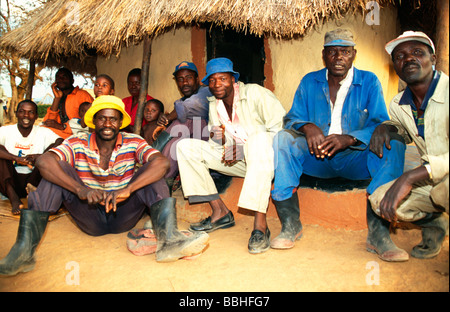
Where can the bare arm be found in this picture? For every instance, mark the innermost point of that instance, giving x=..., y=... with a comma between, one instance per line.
x=399, y=190
x=48, y=165
x=4, y=154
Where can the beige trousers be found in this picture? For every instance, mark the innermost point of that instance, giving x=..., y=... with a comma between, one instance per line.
x=196, y=157
x=424, y=198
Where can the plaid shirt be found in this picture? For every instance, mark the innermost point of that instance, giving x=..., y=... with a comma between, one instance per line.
x=81, y=152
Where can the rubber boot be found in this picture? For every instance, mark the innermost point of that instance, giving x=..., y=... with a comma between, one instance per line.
x=20, y=258
x=379, y=240
x=291, y=228
x=434, y=228
x=172, y=243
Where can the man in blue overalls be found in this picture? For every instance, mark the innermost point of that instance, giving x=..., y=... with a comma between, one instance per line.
x=327, y=132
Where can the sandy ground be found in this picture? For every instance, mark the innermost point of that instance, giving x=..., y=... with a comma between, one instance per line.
x=323, y=260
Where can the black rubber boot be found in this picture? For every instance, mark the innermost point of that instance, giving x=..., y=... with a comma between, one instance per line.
x=173, y=244
x=379, y=240
x=20, y=258
x=434, y=228
x=291, y=228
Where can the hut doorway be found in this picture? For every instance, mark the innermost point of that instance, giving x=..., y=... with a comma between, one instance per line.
x=246, y=51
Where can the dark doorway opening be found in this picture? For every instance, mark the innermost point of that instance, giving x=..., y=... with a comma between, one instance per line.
x=246, y=51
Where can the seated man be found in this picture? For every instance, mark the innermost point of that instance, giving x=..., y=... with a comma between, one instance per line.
x=20, y=146
x=420, y=115
x=328, y=130
x=190, y=114
x=243, y=119
x=66, y=103
x=94, y=176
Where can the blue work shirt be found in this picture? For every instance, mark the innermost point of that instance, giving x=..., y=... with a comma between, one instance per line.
x=363, y=110
x=197, y=105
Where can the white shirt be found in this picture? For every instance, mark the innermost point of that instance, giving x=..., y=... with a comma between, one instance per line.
x=336, y=108
x=35, y=143
x=76, y=127
x=232, y=126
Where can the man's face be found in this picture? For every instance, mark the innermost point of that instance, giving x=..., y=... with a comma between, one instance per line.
x=413, y=62
x=107, y=123
x=26, y=115
x=338, y=60
x=221, y=85
x=187, y=82
x=63, y=80
x=134, y=85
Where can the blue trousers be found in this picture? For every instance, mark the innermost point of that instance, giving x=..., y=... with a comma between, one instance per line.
x=292, y=159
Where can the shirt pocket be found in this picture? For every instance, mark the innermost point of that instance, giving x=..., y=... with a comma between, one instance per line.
x=362, y=116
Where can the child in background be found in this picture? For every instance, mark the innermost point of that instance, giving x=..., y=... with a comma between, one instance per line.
x=77, y=124
x=152, y=109
x=104, y=85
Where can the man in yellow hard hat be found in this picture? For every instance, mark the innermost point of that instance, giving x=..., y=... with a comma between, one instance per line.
x=94, y=176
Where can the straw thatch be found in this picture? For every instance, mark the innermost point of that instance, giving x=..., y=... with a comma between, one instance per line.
x=68, y=28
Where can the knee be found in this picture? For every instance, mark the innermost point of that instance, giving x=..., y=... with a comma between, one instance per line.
x=182, y=147
x=283, y=140
x=190, y=149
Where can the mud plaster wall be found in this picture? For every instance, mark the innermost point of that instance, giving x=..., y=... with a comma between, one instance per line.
x=168, y=50
x=293, y=59
x=290, y=59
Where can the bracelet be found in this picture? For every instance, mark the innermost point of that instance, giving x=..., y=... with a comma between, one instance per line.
x=428, y=167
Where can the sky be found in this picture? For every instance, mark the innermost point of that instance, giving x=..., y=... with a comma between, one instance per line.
x=41, y=88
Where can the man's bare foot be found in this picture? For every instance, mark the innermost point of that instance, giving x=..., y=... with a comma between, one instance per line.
x=30, y=188
x=16, y=208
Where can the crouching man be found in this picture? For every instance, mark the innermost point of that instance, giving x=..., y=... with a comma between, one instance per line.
x=420, y=115
x=94, y=176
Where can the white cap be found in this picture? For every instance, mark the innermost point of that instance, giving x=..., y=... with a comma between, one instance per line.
x=409, y=36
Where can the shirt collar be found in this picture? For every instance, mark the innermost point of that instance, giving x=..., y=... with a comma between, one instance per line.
x=348, y=78
x=92, y=145
x=407, y=97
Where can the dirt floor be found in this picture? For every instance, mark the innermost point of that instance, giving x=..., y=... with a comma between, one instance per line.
x=323, y=260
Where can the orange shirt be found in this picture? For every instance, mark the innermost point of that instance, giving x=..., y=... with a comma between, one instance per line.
x=73, y=102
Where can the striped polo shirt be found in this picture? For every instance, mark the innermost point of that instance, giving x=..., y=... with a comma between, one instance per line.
x=81, y=152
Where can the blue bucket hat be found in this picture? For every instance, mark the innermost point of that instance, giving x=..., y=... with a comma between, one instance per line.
x=219, y=65
x=185, y=65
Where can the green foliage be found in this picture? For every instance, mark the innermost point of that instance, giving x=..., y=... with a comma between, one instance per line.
x=42, y=110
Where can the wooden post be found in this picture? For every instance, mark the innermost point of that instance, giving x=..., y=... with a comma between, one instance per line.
x=442, y=36
x=144, y=84
x=30, y=81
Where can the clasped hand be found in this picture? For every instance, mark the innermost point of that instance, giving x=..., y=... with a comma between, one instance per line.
x=108, y=199
x=325, y=146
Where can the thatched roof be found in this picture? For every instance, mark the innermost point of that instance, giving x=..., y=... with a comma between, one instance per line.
x=70, y=29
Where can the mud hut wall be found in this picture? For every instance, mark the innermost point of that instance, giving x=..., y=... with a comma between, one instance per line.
x=291, y=59
x=168, y=50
